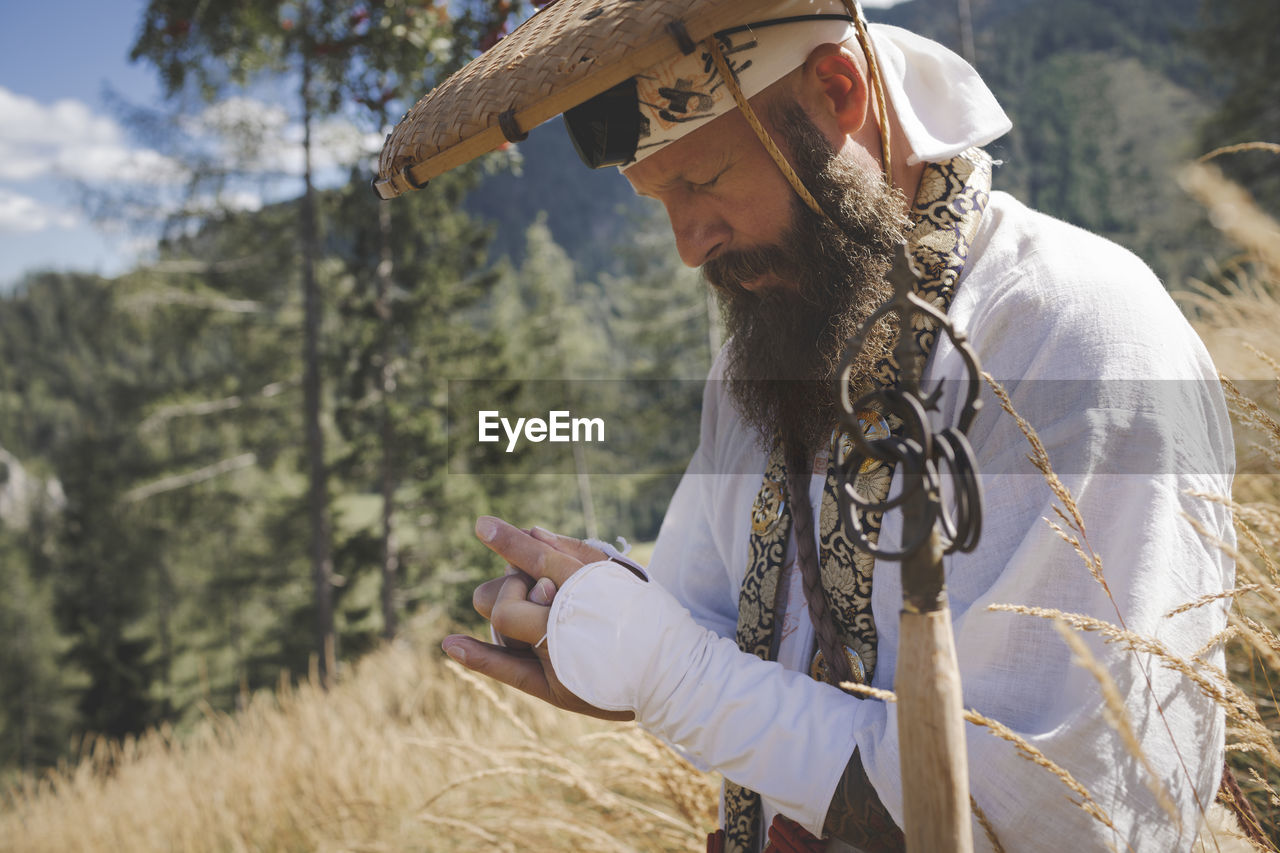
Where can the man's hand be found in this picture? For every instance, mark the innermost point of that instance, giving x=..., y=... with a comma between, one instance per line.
x=519, y=610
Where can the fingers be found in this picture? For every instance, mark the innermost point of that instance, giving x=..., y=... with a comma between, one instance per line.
x=525, y=552
x=543, y=592
x=517, y=618
x=787, y=836
x=524, y=672
x=486, y=594
x=575, y=548
x=521, y=670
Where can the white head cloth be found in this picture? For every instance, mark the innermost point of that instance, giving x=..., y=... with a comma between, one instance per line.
x=941, y=102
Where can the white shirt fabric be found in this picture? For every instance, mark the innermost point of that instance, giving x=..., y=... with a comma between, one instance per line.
x=1125, y=398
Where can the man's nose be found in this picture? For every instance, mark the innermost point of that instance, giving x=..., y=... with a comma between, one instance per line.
x=700, y=234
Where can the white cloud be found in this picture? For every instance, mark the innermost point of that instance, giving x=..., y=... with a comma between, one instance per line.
x=240, y=200
x=107, y=162
x=32, y=134
x=43, y=145
x=66, y=139
x=21, y=213
x=260, y=137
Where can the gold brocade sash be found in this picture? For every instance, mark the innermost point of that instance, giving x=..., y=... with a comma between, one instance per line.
x=947, y=211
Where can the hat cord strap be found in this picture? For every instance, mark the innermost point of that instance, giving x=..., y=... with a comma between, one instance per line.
x=877, y=83
x=730, y=81
x=882, y=111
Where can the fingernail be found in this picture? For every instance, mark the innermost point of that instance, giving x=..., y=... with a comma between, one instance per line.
x=457, y=652
x=542, y=533
x=486, y=528
x=543, y=591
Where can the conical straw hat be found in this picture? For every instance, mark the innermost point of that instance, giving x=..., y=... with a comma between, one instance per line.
x=564, y=55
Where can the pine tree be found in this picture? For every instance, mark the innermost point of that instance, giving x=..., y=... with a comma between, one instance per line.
x=37, y=688
x=398, y=343
x=80, y=365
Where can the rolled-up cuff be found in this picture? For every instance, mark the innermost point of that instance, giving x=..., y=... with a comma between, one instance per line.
x=622, y=644
x=597, y=649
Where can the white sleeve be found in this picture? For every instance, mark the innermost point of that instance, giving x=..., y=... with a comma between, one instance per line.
x=622, y=644
x=686, y=560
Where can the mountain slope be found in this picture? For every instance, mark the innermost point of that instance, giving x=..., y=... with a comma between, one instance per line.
x=1106, y=99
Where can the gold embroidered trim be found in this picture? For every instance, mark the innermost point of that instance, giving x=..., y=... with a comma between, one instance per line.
x=947, y=211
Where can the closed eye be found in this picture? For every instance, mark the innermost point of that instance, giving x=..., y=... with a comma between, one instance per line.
x=710, y=182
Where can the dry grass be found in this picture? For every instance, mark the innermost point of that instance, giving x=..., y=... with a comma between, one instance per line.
x=408, y=752
x=1236, y=310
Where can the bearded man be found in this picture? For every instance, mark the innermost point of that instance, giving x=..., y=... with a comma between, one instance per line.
x=712, y=649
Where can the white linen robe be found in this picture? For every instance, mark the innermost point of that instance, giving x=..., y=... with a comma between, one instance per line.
x=1126, y=401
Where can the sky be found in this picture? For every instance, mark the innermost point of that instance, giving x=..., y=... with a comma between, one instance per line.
x=64, y=149
x=57, y=58
x=68, y=162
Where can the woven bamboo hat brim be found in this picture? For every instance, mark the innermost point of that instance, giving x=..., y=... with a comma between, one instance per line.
x=564, y=55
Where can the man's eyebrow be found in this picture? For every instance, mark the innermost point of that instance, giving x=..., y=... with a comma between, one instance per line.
x=726, y=162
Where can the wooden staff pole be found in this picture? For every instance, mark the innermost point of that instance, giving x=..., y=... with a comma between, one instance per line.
x=931, y=745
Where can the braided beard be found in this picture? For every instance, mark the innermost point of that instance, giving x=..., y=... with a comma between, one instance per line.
x=787, y=342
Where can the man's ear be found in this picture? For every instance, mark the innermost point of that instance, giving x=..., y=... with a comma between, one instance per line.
x=837, y=88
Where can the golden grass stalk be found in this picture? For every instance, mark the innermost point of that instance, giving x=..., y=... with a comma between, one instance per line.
x=1236, y=149
x=1244, y=566
x=1250, y=414
x=1234, y=212
x=1262, y=638
x=1116, y=716
x=485, y=688
x=1243, y=516
x=1066, y=508
x=1211, y=682
x=1219, y=639
x=1209, y=598
x=1275, y=798
x=1075, y=535
x=869, y=691
x=1038, y=758
x=987, y=829
x=1266, y=359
